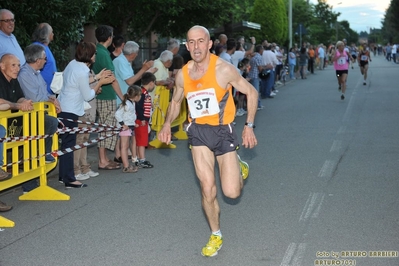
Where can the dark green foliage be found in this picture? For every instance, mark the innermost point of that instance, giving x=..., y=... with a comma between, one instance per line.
x=272, y=16
x=66, y=17
x=390, y=23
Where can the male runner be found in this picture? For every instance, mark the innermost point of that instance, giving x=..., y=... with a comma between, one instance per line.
x=206, y=82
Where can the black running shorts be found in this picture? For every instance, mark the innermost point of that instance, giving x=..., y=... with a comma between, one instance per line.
x=341, y=72
x=219, y=139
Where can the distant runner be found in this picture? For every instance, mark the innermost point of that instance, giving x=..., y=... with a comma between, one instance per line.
x=363, y=60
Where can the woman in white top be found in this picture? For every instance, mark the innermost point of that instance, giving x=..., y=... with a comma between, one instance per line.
x=74, y=92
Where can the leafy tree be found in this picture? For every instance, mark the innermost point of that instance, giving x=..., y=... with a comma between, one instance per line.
x=137, y=19
x=301, y=14
x=345, y=32
x=390, y=23
x=324, y=24
x=272, y=16
x=66, y=17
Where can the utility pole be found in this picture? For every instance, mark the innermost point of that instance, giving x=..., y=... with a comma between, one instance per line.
x=290, y=23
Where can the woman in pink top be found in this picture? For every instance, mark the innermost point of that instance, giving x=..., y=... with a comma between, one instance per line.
x=341, y=59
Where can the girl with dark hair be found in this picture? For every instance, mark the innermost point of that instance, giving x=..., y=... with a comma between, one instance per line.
x=126, y=117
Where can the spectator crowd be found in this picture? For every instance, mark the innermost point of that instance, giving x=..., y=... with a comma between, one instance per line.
x=100, y=85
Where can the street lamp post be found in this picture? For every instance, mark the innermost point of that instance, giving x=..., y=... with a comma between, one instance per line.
x=336, y=25
x=290, y=23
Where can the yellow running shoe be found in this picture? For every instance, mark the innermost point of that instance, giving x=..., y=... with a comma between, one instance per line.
x=244, y=168
x=212, y=247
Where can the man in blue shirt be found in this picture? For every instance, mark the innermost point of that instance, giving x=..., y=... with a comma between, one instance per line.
x=8, y=42
x=35, y=89
x=43, y=35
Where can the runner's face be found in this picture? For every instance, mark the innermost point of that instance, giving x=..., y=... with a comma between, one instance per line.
x=198, y=44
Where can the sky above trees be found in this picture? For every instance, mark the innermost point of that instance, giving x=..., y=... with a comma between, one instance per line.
x=361, y=14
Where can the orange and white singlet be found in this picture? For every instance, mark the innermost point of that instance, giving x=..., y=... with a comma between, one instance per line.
x=208, y=102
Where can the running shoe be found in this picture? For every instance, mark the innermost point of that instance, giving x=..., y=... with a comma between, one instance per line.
x=342, y=97
x=244, y=168
x=364, y=83
x=213, y=246
x=145, y=164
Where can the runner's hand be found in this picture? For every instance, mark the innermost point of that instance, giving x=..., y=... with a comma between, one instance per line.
x=165, y=135
x=248, y=138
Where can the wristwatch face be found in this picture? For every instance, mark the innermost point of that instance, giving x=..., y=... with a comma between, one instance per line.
x=249, y=125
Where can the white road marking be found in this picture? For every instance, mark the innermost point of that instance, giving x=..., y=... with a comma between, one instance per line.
x=312, y=206
x=327, y=169
x=294, y=254
x=336, y=146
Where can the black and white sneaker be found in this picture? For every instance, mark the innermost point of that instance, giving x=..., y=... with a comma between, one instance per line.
x=342, y=97
x=145, y=164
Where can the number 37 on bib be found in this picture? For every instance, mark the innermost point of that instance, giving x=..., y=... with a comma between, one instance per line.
x=203, y=103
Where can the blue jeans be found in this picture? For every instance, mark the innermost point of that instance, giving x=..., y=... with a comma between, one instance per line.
x=2, y=135
x=267, y=85
x=50, y=124
x=256, y=82
x=66, y=171
x=292, y=69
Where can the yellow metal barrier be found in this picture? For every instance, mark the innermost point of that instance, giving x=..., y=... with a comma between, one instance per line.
x=31, y=123
x=161, y=103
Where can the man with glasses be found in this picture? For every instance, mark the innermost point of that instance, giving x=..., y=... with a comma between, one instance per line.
x=8, y=42
x=34, y=88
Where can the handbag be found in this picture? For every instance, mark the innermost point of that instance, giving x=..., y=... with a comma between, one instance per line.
x=264, y=74
x=57, y=82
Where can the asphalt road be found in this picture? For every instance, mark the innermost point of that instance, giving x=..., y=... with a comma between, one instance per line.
x=323, y=188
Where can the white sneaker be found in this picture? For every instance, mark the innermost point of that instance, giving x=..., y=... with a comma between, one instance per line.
x=243, y=111
x=272, y=94
x=275, y=90
x=279, y=83
x=81, y=177
x=239, y=113
x=91, y=173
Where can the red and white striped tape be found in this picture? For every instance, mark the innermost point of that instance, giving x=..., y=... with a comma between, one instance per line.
x=64, y=130
x=73, y=130
x=65, y=151
x=87, y=123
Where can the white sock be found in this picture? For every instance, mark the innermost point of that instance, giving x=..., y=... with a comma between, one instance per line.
x=217, y=233
x=134, y=159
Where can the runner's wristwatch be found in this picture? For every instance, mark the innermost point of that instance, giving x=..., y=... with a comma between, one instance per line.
x=250, y=124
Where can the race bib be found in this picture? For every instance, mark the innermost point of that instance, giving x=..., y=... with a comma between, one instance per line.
x=364, y=57
x=203, y=103
x=341, y=61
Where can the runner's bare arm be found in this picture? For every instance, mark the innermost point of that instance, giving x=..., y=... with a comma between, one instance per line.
x=177, y=98
x=164, y=134
x=230, y=75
